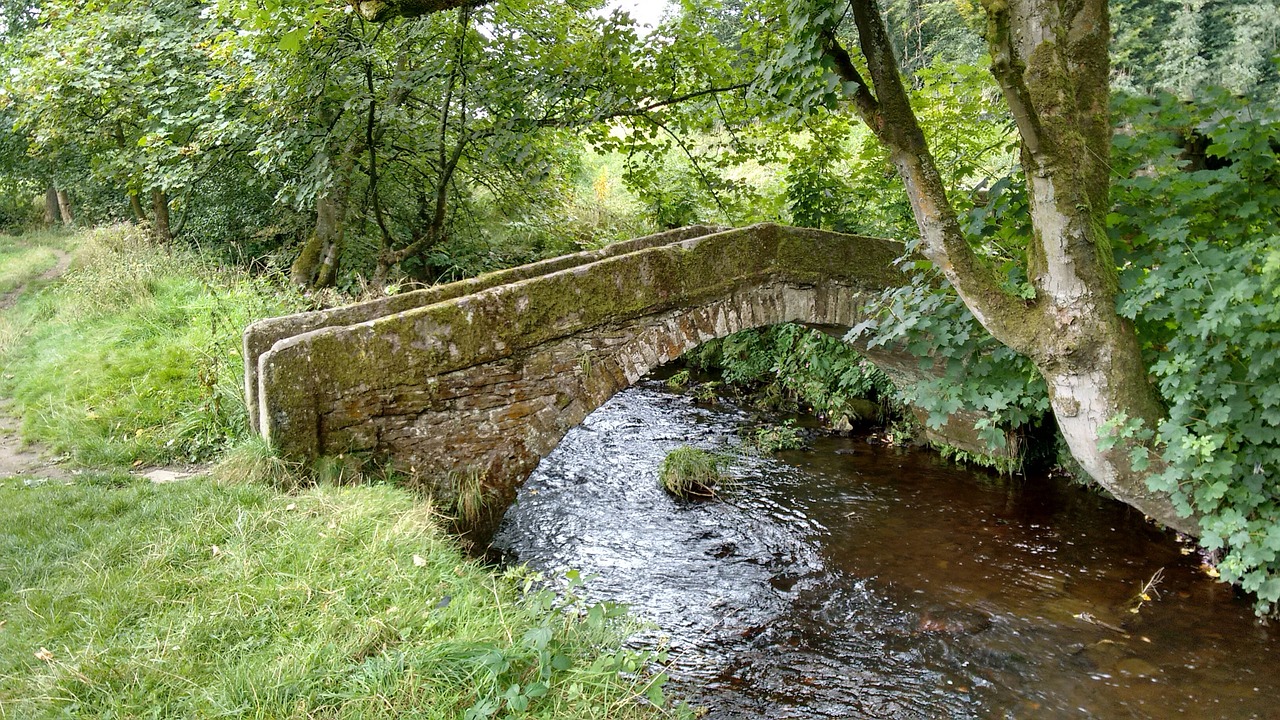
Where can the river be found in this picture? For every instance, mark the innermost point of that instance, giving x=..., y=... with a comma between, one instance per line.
x=852, y=580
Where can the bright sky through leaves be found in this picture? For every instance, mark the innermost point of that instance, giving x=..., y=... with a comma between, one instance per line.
x=644, y=12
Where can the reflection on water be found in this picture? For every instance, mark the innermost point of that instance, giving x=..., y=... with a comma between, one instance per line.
x=854, y=581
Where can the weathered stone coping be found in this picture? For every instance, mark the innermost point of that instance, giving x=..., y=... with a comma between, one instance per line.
x=303, y=373
x=260, y=336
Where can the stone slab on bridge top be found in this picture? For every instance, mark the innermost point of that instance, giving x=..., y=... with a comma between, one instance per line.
x=471, y=384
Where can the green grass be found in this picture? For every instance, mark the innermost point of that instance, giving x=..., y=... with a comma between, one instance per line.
x=24, y=258
x=134, y=357
x=689, y=472
x=201, y=599
x=248, y=596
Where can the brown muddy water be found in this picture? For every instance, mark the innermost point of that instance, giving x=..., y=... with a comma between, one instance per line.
x=857, y=581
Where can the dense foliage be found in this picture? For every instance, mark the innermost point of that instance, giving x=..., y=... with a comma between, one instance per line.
x=1196, y=219
x=789, y=367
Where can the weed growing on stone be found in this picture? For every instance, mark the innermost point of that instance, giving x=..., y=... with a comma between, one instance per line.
x=470, y=498
x=678, y=381
x=707, y=391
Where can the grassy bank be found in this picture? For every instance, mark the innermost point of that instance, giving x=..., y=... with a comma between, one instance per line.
x=120, y=598
x=134, y=356
x=199, y=599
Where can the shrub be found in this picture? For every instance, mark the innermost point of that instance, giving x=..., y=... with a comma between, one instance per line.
x=773, y=438
x=689, y=472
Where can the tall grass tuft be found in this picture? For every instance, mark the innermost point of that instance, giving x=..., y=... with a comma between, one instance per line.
x=689, y=472
x=255, y=461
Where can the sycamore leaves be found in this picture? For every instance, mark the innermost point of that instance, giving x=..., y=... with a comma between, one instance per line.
x=1197, y=230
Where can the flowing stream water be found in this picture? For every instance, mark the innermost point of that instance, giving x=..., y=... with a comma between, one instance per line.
x=852, y=580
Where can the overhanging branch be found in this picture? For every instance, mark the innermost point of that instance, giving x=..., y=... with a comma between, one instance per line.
x=379, y=10
x=863, y=99
x=944, y=242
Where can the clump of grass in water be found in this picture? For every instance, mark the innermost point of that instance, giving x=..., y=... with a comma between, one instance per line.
x=688, y=473
x=679, y=381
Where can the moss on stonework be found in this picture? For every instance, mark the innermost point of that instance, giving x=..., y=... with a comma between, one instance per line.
x=409, y=348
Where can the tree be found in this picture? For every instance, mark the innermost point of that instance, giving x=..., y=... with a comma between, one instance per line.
x=1051, y=61
x=1052, y=64
x=403, y=133
x=121, y=93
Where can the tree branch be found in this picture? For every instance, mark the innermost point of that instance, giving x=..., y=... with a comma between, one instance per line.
x=706, y=181
x=1008, y=69
x=1007, y=318
x=863, y=99
x=379, y=10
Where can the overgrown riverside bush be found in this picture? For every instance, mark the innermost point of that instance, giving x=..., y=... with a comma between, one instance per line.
x=1196, y=227
x=120, y=598
x=788, y=366
x=135, y=356
x=689, y=472
x=974, y=371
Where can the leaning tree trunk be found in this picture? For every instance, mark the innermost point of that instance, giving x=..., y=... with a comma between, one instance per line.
x=64, y=209
x=160, y=208
x=136, y=205
x=1052, y=64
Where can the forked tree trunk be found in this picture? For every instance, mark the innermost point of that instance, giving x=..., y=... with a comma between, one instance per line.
x=1052, y=63
x=160, y=208
x=317, y=264
x=64, y=209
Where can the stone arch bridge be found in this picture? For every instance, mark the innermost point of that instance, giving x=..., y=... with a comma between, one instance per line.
x=476, y=381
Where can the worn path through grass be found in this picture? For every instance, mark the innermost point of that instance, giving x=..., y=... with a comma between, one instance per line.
x=25, y=266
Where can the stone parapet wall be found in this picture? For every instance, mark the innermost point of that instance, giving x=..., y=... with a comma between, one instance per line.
x=262, y=335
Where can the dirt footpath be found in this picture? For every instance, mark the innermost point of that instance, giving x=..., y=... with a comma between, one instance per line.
x=20, y=459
